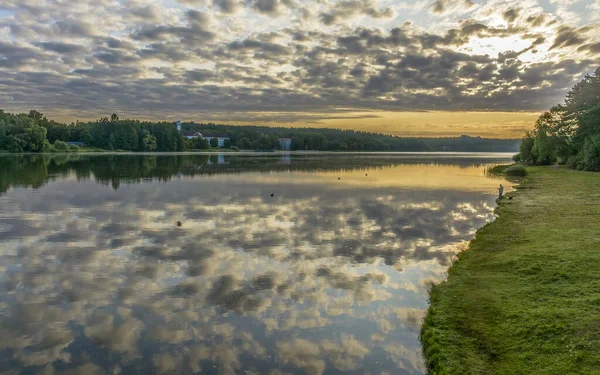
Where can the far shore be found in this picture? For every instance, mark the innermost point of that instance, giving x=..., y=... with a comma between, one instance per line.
x=507, y=154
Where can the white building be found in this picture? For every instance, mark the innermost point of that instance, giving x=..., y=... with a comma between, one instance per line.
x=285, y=144
x=192, y=135
x=220, y=138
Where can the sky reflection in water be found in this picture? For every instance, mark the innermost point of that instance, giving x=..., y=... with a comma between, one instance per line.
x=327, y=276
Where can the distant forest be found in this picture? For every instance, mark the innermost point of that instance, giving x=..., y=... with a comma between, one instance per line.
x=34, y=132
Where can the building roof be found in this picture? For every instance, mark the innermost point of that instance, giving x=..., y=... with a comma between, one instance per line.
x=285, y=139
x=189, y=134
x=215, y=136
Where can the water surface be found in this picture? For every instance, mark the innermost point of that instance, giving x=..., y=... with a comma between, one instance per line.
x=283, y=264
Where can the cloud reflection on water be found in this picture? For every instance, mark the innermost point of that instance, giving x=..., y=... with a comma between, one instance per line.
x=324, y=277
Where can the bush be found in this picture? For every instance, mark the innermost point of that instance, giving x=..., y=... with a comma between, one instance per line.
x=516, y=170
x=233, y=148
x=497, y=169
x=516, y=158
x=47, y=146
x=61, y=146
x=591, y=153
x=74, y=148
x=573, y=161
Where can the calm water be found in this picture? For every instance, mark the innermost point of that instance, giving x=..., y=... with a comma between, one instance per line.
x=328, y=275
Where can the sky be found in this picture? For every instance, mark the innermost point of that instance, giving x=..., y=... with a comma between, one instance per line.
x=424, y=67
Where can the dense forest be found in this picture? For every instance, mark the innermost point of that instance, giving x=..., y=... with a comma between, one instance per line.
x=34, y=132
x=324, y=139
x=568, y=133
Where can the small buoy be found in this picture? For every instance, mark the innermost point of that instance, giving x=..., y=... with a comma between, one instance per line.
x=366, y=174
x=339, y=178
x=272, y=194
x=179, y=223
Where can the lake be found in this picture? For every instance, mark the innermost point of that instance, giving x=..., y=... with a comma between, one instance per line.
x=229, y=264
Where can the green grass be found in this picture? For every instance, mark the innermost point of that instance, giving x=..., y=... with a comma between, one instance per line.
x=525, y=297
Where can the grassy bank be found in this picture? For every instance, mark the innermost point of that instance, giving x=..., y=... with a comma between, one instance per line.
x=525, y=297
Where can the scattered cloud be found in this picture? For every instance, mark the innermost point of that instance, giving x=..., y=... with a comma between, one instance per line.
x=255, y=58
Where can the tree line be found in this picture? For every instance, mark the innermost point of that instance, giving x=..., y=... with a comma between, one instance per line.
x=34, y=132
x=247, y=137
x=568, y=133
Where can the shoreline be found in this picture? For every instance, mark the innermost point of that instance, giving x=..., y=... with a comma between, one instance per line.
x=523, y=297
x=507, y=154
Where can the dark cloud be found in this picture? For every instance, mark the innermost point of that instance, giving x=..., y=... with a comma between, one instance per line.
x=537, y=21
x=568, y=37
x=74, y=28
x=200, y=75
x=511, y=15
x=63, y=48
x=13, y=55
x=441, y=6
x=227, y=6
x=340, y=11
x=269, y=7
x=119, y=44
x=147, y=13
x=594, y=48
x=198, y=30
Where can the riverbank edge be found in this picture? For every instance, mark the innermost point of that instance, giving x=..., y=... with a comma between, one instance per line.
x=433, y=352
x=433, y=349
x=519, y=299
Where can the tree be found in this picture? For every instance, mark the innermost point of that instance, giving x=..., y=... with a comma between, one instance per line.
x=114, y=118
x=264, y=143
x=543, y=150
x=35, y=115
x=214, y=142
x=526, y=149
x=227, y=143
x=201, y=144
x=149, y=141
x=591, y=153
x=569, y=130
x=61, y=146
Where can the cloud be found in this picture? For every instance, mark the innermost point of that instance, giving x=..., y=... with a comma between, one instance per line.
x=442, y=6
x=511, y=15
x=227, y=6
x=569, y=36
x=63, y=48
x=342, y=10
x=298, y=64
x=270, y=7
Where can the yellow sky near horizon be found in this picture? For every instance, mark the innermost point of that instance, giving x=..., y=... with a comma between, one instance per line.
x=443, y=124
x=406, y=124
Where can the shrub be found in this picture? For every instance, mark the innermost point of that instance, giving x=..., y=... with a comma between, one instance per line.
x=516, y=158
x=61, y=146
x=516, y=170
x=74, y=148
x=233, y=148
x=47, y=146
x=573, y=161
x=591, y=153
x=497, y=169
